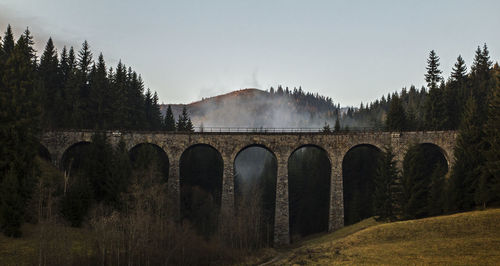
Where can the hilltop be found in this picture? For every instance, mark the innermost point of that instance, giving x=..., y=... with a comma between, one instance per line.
x=470, y=238
x=258, y=108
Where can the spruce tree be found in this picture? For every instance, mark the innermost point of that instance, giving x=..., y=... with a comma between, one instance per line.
x=50, y=86
x=99, y=100
x=489, y=185
x=85, y=59
x=63, y=64
x=182, y=122
x=136, y=100
x=455, y=94
x=385, y=195
x=396, y=116
x=435, y=109
x=18, y=130
x=482, y=82
x=71, y=90
x=148, y=106
x=466, y=171
x=189, y=125
x=435, y=106
x=156, y=114
x=83, y=96
x=433, y=75
x=169, y=120
x=8, y=42
x=415, y=184
x=459, y=70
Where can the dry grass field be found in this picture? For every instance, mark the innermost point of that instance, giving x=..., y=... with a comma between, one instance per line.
x=471, y=238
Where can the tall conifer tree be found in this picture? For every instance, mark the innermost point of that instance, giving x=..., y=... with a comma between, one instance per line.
x=8, y=42
x=433, y=76
x=434, y=109
x=466, y=171
x=489, y=184
x=396, y=117
x=482, y=81
x=50, y=86
x=100, y=96
x=18, y=130
x=169, y=119
x=385, y=196
x=456, y=94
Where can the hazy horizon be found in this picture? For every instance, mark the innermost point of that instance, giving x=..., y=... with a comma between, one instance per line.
x=187, y=50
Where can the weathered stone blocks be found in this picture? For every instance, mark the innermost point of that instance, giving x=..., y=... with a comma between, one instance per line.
x=281, y=145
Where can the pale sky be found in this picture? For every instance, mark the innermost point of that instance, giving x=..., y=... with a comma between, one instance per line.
x=352, y=51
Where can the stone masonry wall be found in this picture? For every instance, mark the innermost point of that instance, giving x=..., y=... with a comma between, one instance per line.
x=282, y=145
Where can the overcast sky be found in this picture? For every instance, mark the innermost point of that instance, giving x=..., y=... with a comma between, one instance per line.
x=352, y=51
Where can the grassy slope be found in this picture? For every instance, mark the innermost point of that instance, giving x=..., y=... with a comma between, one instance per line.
x=471, y=238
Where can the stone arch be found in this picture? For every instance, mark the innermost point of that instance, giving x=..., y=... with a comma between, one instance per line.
x=64, y=163
x=445, y=154
x=201, y=185
x=377, y=146
x=309, y=190
x=162, y=156
x=311, y=146
x=239, y=150
x=358, y=168
x=255, y=182
x=201, y=144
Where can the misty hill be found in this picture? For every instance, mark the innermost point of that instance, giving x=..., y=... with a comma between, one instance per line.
x=259, y=108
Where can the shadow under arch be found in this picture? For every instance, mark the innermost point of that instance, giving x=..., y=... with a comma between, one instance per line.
x=201, y=169
x=359, y=166
x=149, y=156
x=423, y=180
x=75, y=156
x=255, y=175
x=444, y=154
x=44, y=153
x=309, y=173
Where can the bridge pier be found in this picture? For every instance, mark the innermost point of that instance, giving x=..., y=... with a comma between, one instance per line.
x=281, y=217
x=227, y=197
x=336, y=218
x=174, y=188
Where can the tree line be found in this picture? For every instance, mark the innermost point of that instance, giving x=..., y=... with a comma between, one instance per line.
x=61, y=91
x=468, y=102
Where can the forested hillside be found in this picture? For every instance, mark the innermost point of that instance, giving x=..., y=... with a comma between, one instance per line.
x=468, y=101
x=75, y=89
x=119, y=194
x=280, y=108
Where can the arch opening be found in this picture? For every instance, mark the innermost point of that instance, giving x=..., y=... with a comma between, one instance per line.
x=76, y=156
x=150, y=159
x=359, y=167
x=44, y=153
x=309, y=171
x=201, y=170
x=423, y=181
x=255, y=176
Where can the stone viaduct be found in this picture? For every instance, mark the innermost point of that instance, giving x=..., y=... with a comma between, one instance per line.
x=282, y=145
